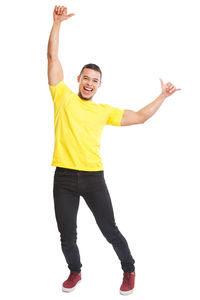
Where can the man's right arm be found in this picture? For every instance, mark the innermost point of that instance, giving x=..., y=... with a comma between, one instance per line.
x=55, y=71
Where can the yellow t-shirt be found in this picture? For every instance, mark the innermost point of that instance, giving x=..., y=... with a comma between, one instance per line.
x=78, y=126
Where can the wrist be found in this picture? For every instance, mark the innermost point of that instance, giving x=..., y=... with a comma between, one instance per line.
x=163, y=96
x=56, y=22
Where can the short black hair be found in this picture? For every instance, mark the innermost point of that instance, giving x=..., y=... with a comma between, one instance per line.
x=93, y=67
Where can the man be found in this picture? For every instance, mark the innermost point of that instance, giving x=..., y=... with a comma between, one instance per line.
x=79, y=122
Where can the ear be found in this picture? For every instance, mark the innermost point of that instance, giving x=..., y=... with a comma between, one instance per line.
x=78, y=78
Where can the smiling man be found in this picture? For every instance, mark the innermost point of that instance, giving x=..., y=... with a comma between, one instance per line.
x=89, y=81
x=79, y=122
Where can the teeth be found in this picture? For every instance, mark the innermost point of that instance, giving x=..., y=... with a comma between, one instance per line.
x=87, y=89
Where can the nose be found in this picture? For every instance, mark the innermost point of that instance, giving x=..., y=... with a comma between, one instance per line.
x=89, y=82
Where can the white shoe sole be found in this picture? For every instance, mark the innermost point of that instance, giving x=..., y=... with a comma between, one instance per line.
x=67, y=290
x=126, y=293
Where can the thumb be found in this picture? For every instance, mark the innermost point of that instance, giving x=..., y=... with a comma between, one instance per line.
x=70, y=15
x=161, y=81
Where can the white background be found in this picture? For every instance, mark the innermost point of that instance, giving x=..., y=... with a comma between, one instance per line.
x=152, y=170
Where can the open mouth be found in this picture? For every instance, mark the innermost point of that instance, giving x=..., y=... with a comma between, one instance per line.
x=88, y=90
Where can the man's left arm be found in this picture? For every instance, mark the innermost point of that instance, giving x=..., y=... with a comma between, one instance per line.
x=131, y=117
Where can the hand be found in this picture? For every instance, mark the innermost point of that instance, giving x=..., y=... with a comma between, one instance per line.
x=168, y=89
x=60, y=13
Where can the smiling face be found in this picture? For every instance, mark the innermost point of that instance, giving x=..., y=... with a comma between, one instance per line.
x=89, y=82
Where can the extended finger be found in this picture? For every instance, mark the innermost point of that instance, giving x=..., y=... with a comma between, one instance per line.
x=70, y=15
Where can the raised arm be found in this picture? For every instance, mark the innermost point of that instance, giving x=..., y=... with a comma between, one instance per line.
x=55, y=71
x=131, y=117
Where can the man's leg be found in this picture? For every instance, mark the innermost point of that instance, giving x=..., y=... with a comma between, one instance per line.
x=66, y=204
x=99, y=201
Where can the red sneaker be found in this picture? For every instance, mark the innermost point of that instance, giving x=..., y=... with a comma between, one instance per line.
x=70, y=284
x=128, y=283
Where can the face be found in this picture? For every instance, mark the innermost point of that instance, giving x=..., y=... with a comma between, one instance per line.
x=89, y=82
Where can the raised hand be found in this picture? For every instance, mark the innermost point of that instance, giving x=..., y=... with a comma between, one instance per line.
x=168, y=89
x=60, y=13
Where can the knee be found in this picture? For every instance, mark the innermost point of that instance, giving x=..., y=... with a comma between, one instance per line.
x=67, y=239
x=112, y=235
x=67, y=243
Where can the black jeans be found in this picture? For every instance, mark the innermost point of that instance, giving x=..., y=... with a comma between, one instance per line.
x=69, y=185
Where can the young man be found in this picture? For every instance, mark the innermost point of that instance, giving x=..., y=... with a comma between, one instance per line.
x=79, y=122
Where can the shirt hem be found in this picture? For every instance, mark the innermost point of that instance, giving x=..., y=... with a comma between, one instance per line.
x=56, y=164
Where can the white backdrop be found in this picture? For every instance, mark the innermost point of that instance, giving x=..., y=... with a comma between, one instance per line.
x=152, y=170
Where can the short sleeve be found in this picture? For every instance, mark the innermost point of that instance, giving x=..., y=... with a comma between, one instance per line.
x=60, y=92
x=114, y=115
